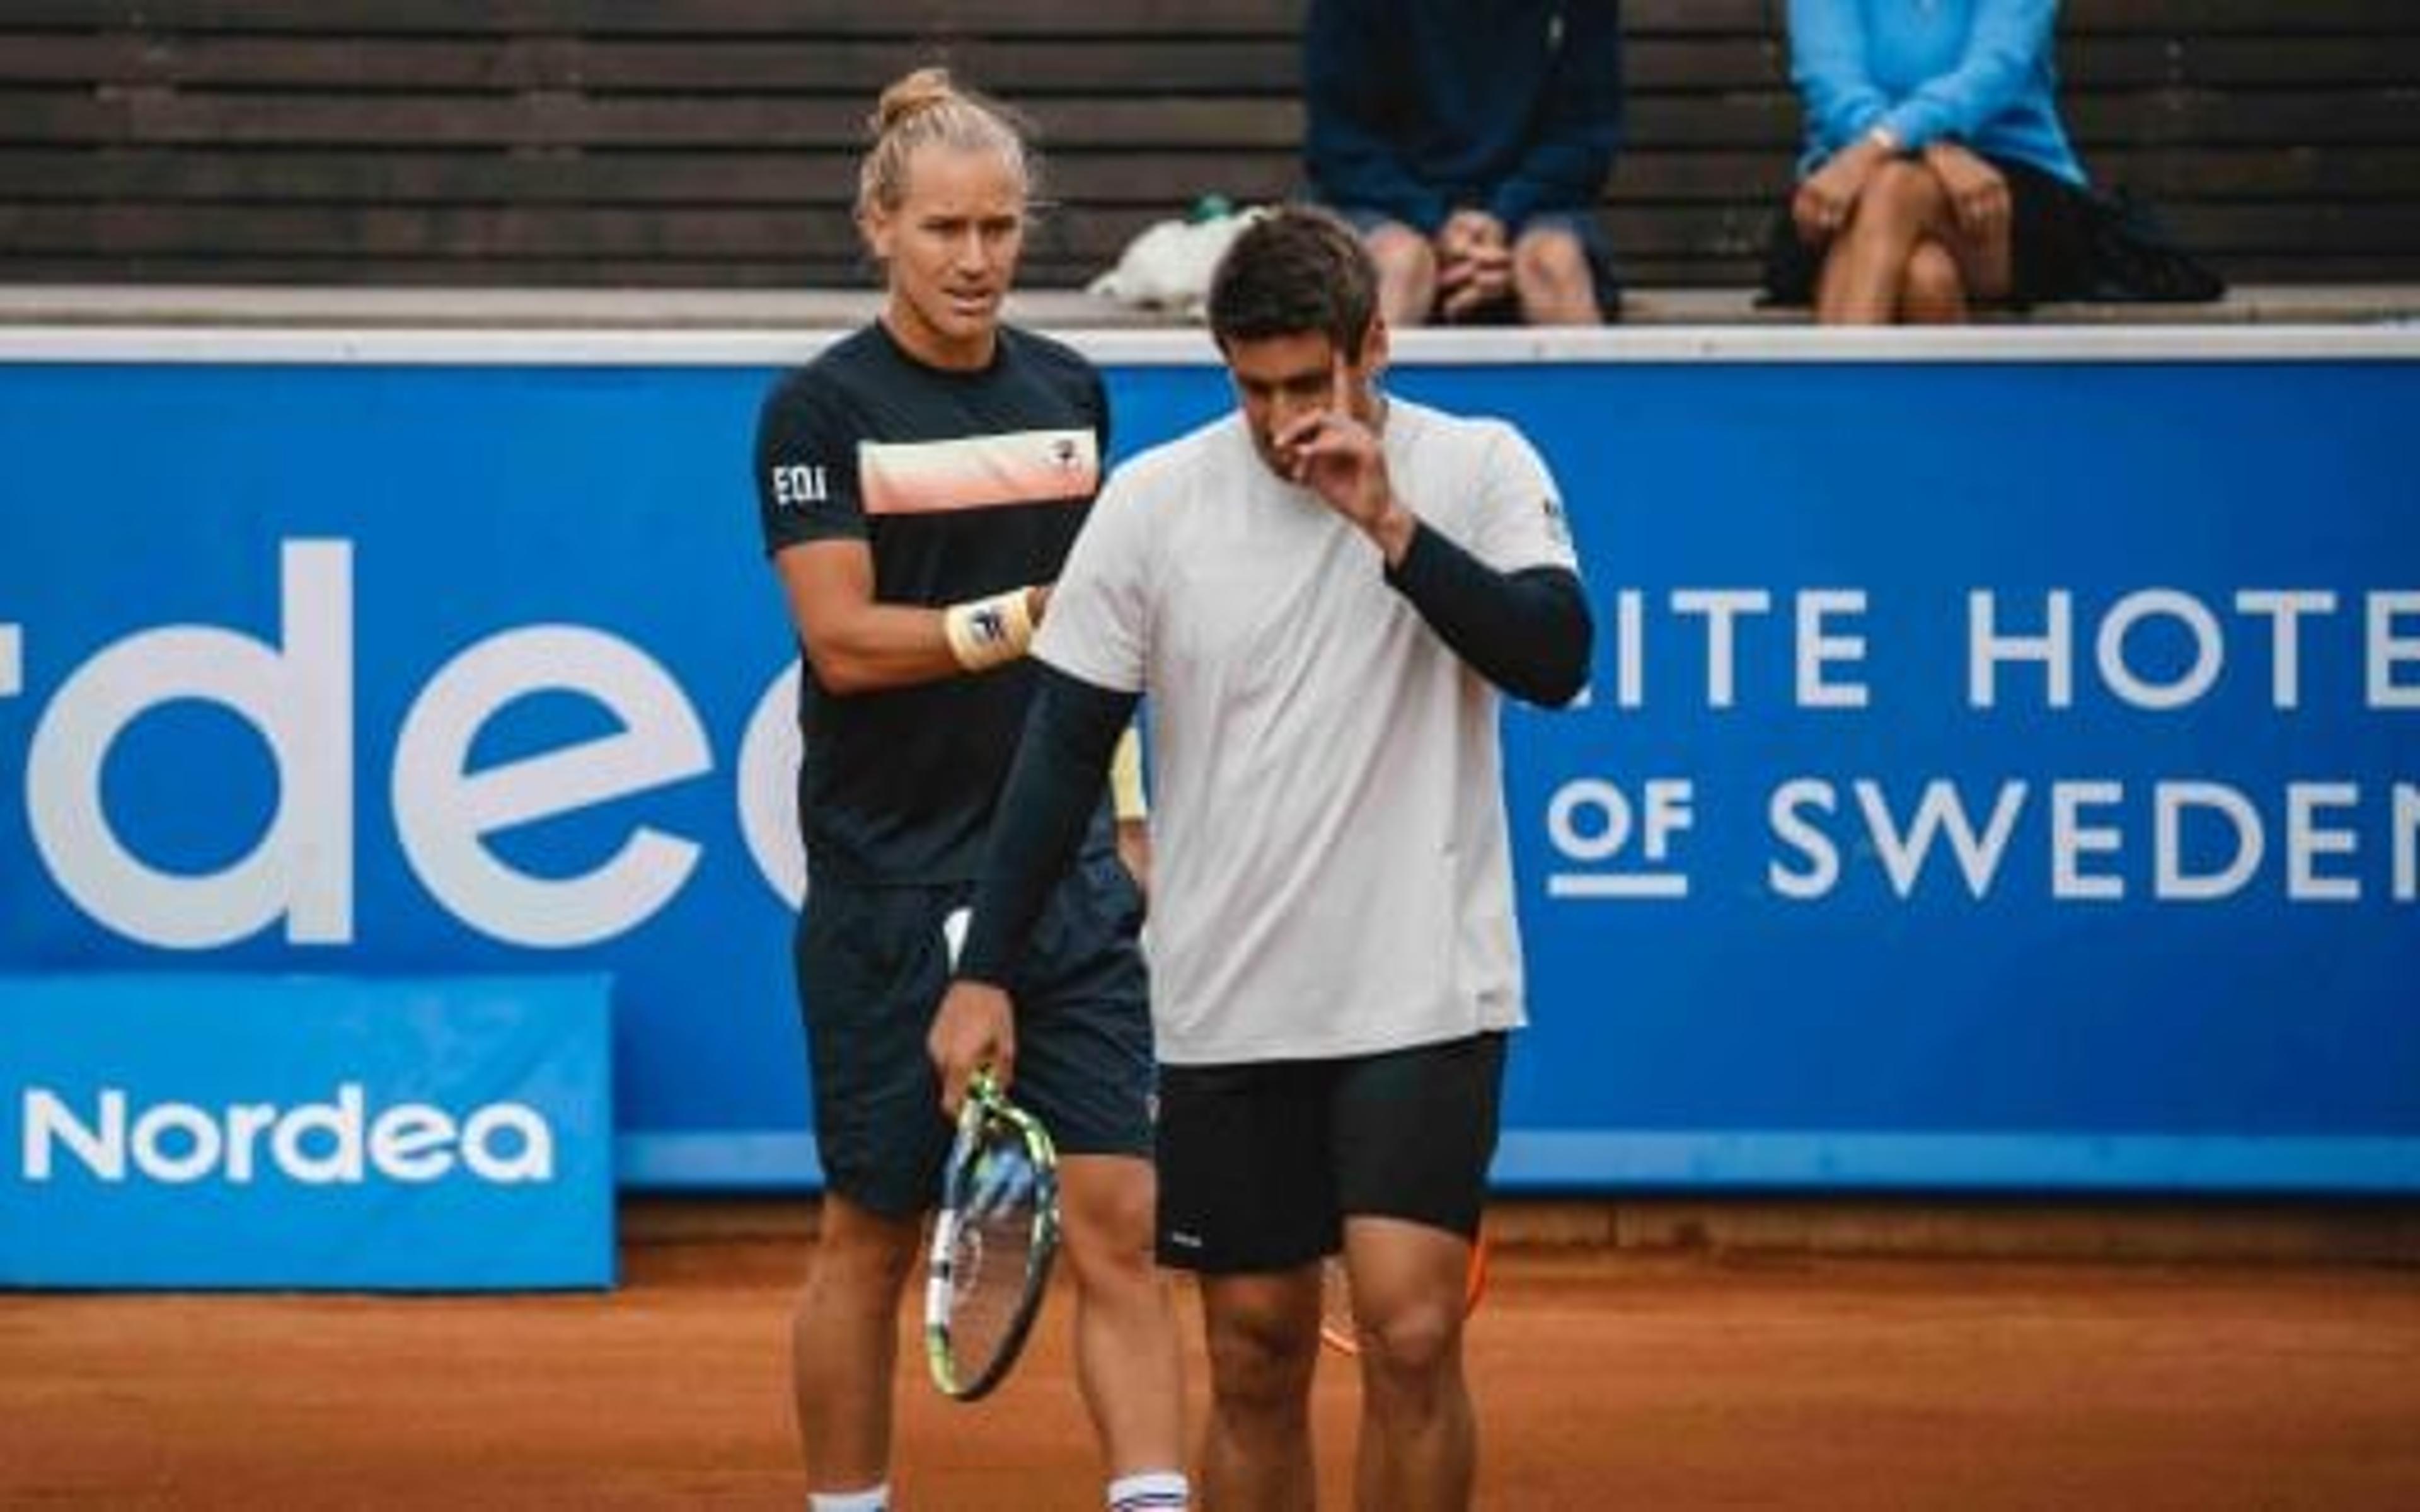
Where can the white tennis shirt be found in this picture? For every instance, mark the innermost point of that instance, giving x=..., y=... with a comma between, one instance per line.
x=1331, y=869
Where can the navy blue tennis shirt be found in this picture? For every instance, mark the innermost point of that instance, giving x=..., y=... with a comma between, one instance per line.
x=964, y=485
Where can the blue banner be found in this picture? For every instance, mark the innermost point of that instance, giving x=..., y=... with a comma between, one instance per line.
x=1996, y=774
x=185, y=1131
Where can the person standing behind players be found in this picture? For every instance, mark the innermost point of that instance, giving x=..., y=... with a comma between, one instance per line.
x=919, y=484
x=1469, y=143
x=1321, y=595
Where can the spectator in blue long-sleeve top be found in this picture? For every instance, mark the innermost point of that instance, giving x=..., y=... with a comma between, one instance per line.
x=1469, y=143
x=1936, y=175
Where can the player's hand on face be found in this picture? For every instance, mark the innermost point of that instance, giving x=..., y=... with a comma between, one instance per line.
x=975, y=1027
x=1332, y=453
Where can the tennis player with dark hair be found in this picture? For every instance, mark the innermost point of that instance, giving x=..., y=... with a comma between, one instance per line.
x=1323, y=595
x=919, y=484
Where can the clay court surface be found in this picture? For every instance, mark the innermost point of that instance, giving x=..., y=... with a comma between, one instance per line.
x=1605, y=1380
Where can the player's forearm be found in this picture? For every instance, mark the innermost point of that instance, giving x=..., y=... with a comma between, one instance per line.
x=868, y=647
x=1528, y=632
x=1053, y=787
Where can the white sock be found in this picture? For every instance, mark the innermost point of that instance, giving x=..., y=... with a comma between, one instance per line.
x=1150, y=1491
x=871, y=1498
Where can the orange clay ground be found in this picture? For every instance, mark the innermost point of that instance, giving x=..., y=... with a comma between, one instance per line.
x=1605, y=1381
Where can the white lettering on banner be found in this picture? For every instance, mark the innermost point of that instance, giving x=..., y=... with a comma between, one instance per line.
x=1902, y=852
x=2285, y=610
x=1591, y=821
x=1721, y=606
x=2114, y=661
x=1819, y=643
x=2407, y=843
x=2157, y=650
x=2388, y=651
x=1987, y=648
x=444, y=811
x=769, y=788
x=299, y=698
x=2077, y=836
x=332, y=1143
x=1819, y=648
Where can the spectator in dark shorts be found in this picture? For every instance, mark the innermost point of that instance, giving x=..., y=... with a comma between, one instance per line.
x=1937, y=178
x=1470, y=142
x=919, y=484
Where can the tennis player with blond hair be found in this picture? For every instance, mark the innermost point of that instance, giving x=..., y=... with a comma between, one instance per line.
x=919, y=484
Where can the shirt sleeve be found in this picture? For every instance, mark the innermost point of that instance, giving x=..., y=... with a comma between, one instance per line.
x=1579, y=125
x=806, y=469
x=1828, y=63
x=2009, y=41
x=1520, y=521
x=1097, y=626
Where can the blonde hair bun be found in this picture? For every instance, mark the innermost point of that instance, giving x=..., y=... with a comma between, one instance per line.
x=908, y=97
x=927, y=108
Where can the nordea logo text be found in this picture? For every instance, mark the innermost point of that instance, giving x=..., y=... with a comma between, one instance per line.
x=335, y=1143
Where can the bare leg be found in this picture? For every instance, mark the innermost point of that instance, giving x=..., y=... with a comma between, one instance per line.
x=1264, y=1341
x=1406, y=274
x=845, y=1342
x=1902, y=204
x=1420, y=1443
x=1128, y=1359
x=1553, y=280
x=1933, y=293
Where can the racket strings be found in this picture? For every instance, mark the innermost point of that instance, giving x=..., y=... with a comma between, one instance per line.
x=990, y=1249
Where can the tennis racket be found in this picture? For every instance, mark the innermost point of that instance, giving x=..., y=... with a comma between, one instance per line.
x=994, y=1236
x=1336, y=1328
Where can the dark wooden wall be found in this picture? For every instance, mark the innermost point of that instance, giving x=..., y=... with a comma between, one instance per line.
x=713, y=142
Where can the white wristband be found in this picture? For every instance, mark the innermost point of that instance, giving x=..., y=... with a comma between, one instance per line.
x=984, y=632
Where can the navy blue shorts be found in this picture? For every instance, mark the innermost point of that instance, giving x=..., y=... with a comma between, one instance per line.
x=1260, y=1162
x=872, y=964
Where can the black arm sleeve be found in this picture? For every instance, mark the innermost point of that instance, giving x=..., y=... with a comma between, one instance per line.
x=1528, y=632
x=1054, y=784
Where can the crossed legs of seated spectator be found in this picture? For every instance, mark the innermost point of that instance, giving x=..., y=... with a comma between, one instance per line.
x=1903, y=256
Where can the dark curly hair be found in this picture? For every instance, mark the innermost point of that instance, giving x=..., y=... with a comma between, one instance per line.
x=1295, y=269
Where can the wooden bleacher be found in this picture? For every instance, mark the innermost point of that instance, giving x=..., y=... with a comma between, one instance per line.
x=711, y=144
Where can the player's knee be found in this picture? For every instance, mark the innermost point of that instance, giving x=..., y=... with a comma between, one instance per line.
x=1413, y=1344
x=1260, y=1360
x=1109, y=1231
x=857, y=1245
